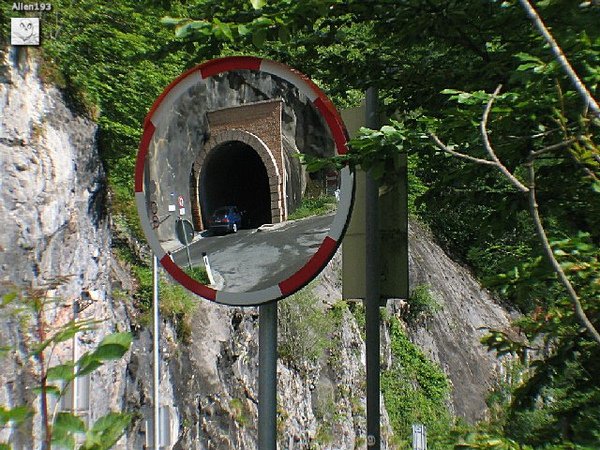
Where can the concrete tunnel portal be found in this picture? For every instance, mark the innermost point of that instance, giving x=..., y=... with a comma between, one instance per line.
x=234, y=174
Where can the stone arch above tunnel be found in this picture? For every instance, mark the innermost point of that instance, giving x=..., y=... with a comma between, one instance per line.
x=257, y=125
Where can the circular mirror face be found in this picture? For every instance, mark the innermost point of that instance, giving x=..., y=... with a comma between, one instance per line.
x=224, y=199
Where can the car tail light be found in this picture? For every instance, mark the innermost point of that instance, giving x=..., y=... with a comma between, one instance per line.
x=225, y=219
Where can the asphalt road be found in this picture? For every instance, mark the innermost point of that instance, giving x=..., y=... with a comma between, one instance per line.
x=250, y=260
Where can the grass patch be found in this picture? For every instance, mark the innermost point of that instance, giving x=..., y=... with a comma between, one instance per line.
x=316, y=206
x=306, y=327
x=422, y=304
x=239, y=411
x=198, y=273
x=176, y=303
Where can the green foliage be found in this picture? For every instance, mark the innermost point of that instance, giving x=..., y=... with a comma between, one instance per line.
x=177, y=304
x=15, y=416
x=41, y=341
x=415, y=390
x=113, y=60
x=198, y=273
x=318, y=206
x=240, y=411
x=106, y=431
x=305, y=328
x=422, y=304
x=485, y=441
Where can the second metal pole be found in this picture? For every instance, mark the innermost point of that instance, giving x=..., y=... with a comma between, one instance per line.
x=155, y=354
x=267, y=376
x=373, y=288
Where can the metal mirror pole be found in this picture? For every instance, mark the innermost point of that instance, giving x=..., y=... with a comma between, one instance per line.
x=155, y=351
x=372, y=299
x=267, y=376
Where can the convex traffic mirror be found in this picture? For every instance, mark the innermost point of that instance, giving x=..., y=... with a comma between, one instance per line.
x=220, y=186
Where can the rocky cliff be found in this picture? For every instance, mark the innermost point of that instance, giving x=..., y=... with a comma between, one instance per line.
x=55, y=223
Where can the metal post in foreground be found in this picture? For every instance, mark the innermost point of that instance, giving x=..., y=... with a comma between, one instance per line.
x=372, y=289
x=267, y=376
x=155, y=354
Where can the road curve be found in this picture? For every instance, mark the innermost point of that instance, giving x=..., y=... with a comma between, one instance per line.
x=250, y=260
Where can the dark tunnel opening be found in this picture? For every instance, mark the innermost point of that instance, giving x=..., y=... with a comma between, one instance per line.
x=234, y=175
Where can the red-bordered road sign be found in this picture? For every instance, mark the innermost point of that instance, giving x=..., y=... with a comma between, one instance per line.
x=328, y=247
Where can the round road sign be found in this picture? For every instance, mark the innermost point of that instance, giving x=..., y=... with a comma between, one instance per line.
x=185, y=231
x=186, y=96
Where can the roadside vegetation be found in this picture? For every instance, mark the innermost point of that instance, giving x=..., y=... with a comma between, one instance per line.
x=177, y=304
x=314, y=206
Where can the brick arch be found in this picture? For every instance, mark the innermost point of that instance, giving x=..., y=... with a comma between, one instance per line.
x=272, y=164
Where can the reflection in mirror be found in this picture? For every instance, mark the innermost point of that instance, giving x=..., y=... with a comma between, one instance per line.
x=224, y=158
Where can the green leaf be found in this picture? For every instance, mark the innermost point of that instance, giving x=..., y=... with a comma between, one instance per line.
x=258, y=4
x=108, y=352
x=284, y=34
x=171, y=21
x=263, y=22
x=16, y=415
x=528, y=66
x=51, y=389
x=61, y=372
x=451, y=92
x=8, y=298
x=190, y=27
x=226, y=30
x=388, y=130
x=63, y=440
x=529, y=58
x=87, y=364
x=258, y=37
x=106, y=431
x=243, y=30
x=68, y=422
x=123, y=339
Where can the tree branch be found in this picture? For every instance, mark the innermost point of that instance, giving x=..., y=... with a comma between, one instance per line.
x=439, y=144
x=533, y=206
x=561, y=58
x=486, y=143
x=488, y=146
x=553, y=147
x=547, y=248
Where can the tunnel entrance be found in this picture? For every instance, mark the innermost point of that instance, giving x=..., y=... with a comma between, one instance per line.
x=233, y=174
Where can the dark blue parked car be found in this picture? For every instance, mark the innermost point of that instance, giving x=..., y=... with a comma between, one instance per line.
x=226, y=219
